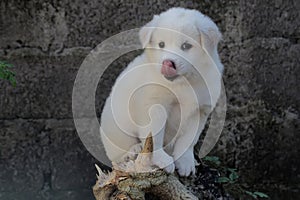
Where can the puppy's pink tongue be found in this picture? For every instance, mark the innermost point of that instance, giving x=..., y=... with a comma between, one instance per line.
x=168, y=69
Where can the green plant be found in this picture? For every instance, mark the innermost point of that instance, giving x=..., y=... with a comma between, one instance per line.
x=6, y=73
x=256, y=194
x=229, y=179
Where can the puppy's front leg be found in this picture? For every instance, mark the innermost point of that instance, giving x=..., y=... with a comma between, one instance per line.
x=185, y=164
x=157, y=125
x=183, y=152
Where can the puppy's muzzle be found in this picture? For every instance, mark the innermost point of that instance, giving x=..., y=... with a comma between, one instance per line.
x=169, y=70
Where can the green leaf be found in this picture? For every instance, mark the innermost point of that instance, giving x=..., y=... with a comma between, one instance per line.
x=5, y=64
x=6, y=74
x=251, y=194
x=9, y=65
x=260, y=194
x=13, y=81
x=2, y=74
x=233, y=176
x=232, y=170
x=223, y=180
x=212, y=159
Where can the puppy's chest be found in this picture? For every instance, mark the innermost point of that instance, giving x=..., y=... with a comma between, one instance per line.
x=179, y=107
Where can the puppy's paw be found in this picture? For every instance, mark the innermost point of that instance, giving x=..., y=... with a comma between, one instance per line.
x=133, y=152
x=163, y=161
x=185, y=165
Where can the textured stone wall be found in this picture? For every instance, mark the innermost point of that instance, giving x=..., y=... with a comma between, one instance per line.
x=41, y=156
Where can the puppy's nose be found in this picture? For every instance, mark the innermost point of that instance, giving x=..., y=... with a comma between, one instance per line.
x=169, y=63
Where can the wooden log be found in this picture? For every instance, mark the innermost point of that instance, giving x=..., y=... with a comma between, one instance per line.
x=129, y=181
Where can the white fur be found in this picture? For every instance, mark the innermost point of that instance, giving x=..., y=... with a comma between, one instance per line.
x=173, y=112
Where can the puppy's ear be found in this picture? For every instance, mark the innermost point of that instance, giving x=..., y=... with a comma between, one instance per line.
x=210, y=36
x=147, y=30
x=210, y=39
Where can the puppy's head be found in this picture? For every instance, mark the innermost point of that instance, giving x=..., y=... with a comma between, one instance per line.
x=181, y=40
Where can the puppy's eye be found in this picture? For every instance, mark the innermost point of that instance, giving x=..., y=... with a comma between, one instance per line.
x=161, y=45
x=186, y=46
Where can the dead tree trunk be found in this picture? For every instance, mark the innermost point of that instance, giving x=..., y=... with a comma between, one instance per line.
x=132, y=179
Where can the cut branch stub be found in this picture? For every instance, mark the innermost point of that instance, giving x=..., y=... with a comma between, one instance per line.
x=148, y=147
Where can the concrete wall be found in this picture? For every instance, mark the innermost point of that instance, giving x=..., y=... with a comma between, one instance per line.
x=41, y=156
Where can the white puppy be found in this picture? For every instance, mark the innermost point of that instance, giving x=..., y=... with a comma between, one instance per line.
x=169, y=90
